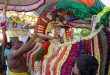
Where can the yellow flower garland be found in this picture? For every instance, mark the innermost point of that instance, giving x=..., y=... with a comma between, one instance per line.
x=96, y=50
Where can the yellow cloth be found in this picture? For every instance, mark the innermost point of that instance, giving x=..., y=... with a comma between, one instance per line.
x=109, y=70
x=14, y=73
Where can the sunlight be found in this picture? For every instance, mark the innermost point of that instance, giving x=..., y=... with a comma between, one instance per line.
x=106, y=2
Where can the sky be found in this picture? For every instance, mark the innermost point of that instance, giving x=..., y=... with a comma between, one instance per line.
x=106, y=2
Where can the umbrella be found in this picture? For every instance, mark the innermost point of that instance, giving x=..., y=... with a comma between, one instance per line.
x=22, y=5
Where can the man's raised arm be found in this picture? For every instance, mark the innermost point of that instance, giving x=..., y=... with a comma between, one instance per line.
x=25, y=47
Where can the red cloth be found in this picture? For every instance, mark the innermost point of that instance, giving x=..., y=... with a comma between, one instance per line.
x=3, y=24
x=45, y=47
x=42, y=23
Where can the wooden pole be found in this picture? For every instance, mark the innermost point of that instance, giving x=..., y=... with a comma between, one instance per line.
x=4, y=41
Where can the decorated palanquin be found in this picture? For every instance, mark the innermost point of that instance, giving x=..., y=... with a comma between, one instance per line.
x=57, y=56
x=48, y=52
x=46, y=24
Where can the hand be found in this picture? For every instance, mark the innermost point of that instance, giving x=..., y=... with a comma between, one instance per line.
x=4, y=29
x=36, y=37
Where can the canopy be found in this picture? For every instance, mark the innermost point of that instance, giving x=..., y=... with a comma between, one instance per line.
x=48, y=2
x=84, y=9
x=23, y=5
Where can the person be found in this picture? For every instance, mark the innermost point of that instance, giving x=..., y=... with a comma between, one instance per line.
x=6, y=53
x=7, y=49
x=85, y=65
x=0, y=59
x=16, y=63
x=2, y=67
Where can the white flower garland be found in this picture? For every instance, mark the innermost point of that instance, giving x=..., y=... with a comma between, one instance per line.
x=94, y=32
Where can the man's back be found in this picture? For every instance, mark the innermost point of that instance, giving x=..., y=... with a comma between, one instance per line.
x=16, y=64
x=15, y=58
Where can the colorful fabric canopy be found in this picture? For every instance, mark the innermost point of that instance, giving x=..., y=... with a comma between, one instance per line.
x=84, y=9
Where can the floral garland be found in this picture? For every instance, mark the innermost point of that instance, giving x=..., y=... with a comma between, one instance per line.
x=44, y=62
x=81, y=48
x=63, y=60
x=87, y=48
x=67, y=66
x=101, y=51
x=51, y=50
x=55, y=66
x=53, y=62
x=30, y=59
x=56, y=60
x=44, y=47
x=50, y=59
x=108, y=53
x=97, y=50
x=92, y=45
x=104, y=53
x=37, y=67
x=100, y=46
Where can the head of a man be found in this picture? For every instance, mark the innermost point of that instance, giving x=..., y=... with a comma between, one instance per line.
x=85, y=65
x=16, y=45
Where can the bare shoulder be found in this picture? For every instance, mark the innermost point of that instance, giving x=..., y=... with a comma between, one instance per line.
x=12, y=53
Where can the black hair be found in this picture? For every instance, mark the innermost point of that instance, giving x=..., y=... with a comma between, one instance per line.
x=9, y=44
x=87, y=65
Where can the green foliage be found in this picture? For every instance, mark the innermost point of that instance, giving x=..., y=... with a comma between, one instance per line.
x=85, y=32
x=80, y=32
